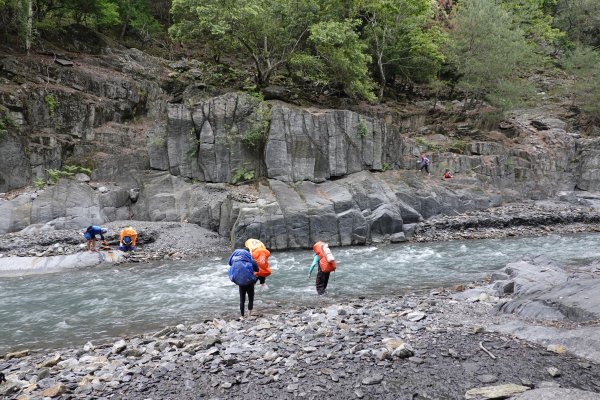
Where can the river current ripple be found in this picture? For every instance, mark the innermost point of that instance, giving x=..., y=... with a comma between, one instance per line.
x=44, y=312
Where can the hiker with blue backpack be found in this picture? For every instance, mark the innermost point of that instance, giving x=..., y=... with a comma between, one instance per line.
x=242, y=272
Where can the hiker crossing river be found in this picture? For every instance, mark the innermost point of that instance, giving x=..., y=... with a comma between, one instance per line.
x=69, y=308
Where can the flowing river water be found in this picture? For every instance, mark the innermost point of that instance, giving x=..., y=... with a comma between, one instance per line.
x=42, y=312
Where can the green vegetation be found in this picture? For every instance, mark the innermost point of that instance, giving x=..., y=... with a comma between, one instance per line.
x=39, y=183
x=584, y=64
x=488, y=49
x=361, y=128
x=54, y=175
x=478, y=51
x=51, y=103
x=5, y=124
x=242, y=175
x=255, y=138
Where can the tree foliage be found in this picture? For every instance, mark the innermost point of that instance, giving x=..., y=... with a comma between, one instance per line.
x=266, y=32
x=580, y=19
x=400, y=41
x=488, y=49
x=584, y=63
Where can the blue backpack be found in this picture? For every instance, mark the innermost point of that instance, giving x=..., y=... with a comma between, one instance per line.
x=240, y=268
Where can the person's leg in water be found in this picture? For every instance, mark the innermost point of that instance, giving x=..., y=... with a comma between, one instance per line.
x=250, y=298
x=321, y=282
x=262, y=280
x=242, y=290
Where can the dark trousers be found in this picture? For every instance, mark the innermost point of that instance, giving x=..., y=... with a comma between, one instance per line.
x=243, y=290
x=262, y=279
x=322, y=280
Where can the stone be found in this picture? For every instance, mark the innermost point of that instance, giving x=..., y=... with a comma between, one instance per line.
x=119, y=346
x=495, y=392
x=81, y=177
x=103, y=189
x=415, y=316
x=553, y=371
x=50, y=362
x=557, y=348
x=17, y=354
x=392, y=343
x=372, y=380
x=54, y=391
x=557, y=394
x=487, y=378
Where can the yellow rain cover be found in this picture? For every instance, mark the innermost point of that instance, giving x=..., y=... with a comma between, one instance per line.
x=253, y=244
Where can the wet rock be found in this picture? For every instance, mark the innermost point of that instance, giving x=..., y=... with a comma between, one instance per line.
x=487, y=378
x=119, y=346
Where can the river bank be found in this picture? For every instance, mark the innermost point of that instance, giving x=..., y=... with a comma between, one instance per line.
x=175, y=241
x=428, y=345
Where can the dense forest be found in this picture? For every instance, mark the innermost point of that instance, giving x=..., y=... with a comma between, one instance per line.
x=366, y=50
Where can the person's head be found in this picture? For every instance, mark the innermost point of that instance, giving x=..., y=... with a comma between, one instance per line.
x=89, y=228
x=447, y=170
x=103, y=230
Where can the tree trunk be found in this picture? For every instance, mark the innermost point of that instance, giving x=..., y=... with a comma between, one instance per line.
x=29, y=26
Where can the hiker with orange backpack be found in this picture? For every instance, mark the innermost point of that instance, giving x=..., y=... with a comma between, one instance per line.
x=326, y=262
x=260, y=254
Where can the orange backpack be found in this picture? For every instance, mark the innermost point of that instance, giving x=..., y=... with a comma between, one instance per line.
x=326, y=259
x=261, y=256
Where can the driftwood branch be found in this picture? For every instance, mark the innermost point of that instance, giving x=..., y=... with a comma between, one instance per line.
x=486, y=350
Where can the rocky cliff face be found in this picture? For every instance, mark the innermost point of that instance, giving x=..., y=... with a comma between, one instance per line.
x=335, y=175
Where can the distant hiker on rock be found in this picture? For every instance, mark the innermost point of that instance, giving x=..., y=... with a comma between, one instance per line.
x=127, y=239
x=326, y=264
x=447, y=174
x=424, y=163
x=242, y=272
x=90, y=235
x=260, y=254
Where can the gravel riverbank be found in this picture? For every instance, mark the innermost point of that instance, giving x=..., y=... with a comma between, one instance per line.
x=416, y=346
x=438, y=344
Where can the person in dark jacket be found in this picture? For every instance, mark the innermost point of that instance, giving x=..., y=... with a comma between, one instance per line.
x=242, y=272
x=90, y=235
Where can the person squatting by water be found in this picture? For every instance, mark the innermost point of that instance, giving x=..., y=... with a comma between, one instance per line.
x=242, y=269
x=90, y=235
x=326, y=264
x=127, y=239
x=260, y=254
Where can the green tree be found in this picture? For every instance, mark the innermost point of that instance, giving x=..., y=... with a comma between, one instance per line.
x=266, y=32
x=580, y=19
x=489, y=51
x=400, y=40
x=584, y=63
x=343, y=55
x=535, y=18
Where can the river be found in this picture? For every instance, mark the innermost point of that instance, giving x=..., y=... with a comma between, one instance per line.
x=44, y=312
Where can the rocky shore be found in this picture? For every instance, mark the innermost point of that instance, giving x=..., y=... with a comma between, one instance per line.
x=528, y=333
x=175, y=240
x=433, y=345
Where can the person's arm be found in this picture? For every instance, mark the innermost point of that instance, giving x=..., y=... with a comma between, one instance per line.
x=254, y=266
x=314, y=263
